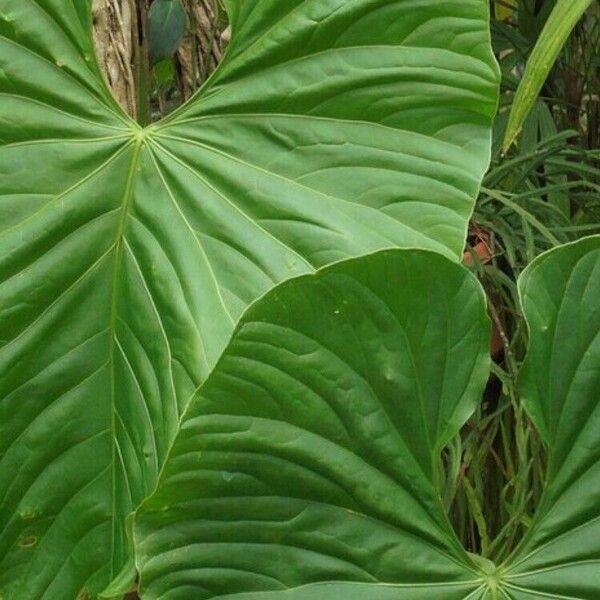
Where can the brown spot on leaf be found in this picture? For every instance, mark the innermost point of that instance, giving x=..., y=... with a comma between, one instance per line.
x=28, y=541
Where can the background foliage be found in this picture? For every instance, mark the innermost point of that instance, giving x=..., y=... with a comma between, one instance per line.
x=543, y=192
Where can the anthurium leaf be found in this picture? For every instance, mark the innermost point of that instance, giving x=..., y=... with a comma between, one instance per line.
x=309, y=459
x=560, y=557
x=332, y=129
x=166, y=27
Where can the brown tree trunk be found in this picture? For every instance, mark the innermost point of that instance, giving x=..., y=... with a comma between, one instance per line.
x=114, y=27
x=119, y=37
x=202, y=48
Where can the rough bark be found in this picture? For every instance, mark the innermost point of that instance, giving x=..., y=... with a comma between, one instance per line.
x=114, y=26
x=117, y=25
x=203, y=45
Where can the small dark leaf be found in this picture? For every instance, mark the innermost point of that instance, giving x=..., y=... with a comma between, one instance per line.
x=166, y=27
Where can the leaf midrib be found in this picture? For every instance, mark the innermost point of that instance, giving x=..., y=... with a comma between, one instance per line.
x=119, y=245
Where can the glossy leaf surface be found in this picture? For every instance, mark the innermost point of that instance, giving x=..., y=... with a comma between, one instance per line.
x=331, y=129
x=310, y=457
x=306, y=466
x=560, y=292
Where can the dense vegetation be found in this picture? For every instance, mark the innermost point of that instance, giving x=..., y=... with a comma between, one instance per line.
x=210, y=288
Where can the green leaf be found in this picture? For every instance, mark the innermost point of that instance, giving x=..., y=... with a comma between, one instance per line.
x=559, y=26
x=164, y=73
x=306, y=466
x=167, y=21
x=560, y=383
x=331, y=129
x=309, y=460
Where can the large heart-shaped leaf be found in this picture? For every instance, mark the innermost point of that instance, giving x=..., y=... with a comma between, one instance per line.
x=560, y=557
x=310, y=458
x=307, y=465
x=332, y=128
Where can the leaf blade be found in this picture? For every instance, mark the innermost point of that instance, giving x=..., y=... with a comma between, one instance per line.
x=297, y=464
x=558, y=555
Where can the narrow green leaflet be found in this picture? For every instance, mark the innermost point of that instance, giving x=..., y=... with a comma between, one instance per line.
x=309, y=460
x=560, y=292
x=332, y=129
x=558, y=28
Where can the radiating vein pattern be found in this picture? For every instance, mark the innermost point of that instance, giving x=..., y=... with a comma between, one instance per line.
x=315, y=104
x=311, y=453
x=559, y=294
x=128, y=255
